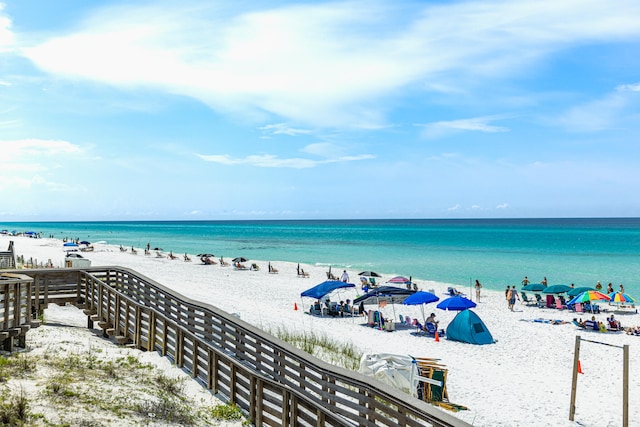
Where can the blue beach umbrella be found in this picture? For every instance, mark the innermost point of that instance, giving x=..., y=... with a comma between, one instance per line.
x=534, y=287
x=456, y=304
x=556, y=289
x=421, y=298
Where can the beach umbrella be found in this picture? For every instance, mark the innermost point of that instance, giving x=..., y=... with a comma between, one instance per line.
x=70, y=245
x=368, y=274
x=399, y=280
x=621, y=298
x=588, y=296
x=534, y=287
x=158, y=249
x=421, y=298
x=206, y=255
x=84, y=242
x=456, y=304
x=577, y=291
x=556, y=289
x=240, y=259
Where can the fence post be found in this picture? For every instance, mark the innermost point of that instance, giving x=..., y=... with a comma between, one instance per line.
x=574, y=381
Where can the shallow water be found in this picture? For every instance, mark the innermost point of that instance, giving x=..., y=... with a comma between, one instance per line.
x=495, y=251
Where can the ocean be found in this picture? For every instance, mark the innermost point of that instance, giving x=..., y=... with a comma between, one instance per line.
x=497, y=252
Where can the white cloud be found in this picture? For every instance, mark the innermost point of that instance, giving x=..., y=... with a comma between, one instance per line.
x=283, y=129
x=454, y=208
x=502, y=206
x=7, y=39
x=609, y=112
x=322, y=64
x=35, y=148
x=635, y=87
x=477, y=124
x=271, y=161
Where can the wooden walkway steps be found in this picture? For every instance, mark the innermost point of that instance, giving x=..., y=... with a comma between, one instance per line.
x=274, y=383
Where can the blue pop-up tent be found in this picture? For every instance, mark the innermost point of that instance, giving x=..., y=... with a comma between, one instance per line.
x=468, y=327
x=324, y=288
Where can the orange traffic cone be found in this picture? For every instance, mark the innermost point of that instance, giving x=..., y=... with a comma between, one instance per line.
x=580, y=368
x=295, y=307
x=437, y=337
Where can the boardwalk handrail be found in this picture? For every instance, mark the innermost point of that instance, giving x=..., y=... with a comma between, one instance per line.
x=275, y=383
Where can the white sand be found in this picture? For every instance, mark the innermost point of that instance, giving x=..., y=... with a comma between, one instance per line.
x=522, y=380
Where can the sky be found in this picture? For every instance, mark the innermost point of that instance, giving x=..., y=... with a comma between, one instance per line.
x=218, y=110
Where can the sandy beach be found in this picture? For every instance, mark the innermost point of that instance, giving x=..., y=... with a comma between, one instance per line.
x=523, y=379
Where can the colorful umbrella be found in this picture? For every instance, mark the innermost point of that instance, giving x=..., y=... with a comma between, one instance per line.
x=588, y=296
x=620, y=298
x=399, y=279
x=577, y=291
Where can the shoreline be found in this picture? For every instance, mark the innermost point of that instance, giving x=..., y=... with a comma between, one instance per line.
x=527, y=371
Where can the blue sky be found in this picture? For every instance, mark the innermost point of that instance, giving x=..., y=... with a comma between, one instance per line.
x=150, y=110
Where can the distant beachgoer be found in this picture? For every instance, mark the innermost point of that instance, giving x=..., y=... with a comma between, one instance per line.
x=148, y=246
x=598, y=286
x=571, y=286
x=478, y=287
x=610, y=288
x=506, y=295
x=525, y=281
x=513, y=294
x=345, y=276
x=544, y=281
x=432, y=319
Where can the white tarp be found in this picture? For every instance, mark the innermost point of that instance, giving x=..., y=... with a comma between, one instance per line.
x=396, y=370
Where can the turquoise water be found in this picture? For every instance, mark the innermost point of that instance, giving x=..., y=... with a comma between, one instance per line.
x=497, y=251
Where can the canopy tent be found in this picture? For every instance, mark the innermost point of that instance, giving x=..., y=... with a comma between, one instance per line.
x=468, y=327
x=319, y=291
x=390, y=294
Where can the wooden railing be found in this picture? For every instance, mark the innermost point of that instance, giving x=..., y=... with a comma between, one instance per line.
x=16, y=309
x=8, y=258
x=273, y=382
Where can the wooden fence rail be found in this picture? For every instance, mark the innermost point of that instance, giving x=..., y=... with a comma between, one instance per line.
x=273, y=382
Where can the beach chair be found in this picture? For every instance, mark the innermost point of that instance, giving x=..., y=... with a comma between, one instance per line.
x=302, y=273
x=432, y=329
x=255, y=267
x=330, y=276
x=559, y=304
x=526, y=300
x=272, y=269
x=577, y=307
x=401, y=319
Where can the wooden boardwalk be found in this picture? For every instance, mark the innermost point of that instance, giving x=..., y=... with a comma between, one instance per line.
x=273, y=382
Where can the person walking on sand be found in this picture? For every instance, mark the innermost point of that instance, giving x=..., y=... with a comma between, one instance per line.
x=513, y=294
x=478, y=287
x=506, y=295
x=345, y=276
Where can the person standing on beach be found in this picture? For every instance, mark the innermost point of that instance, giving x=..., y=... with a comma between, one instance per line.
x=506, y=295
x=478, y=287
x=345, y=276
x=513, y=294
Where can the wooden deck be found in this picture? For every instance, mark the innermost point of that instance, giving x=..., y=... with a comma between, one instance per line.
x=273, y=382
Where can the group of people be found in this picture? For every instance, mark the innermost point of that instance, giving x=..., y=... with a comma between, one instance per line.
x=511, y=294
x=611, y=324
x=334, y=309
